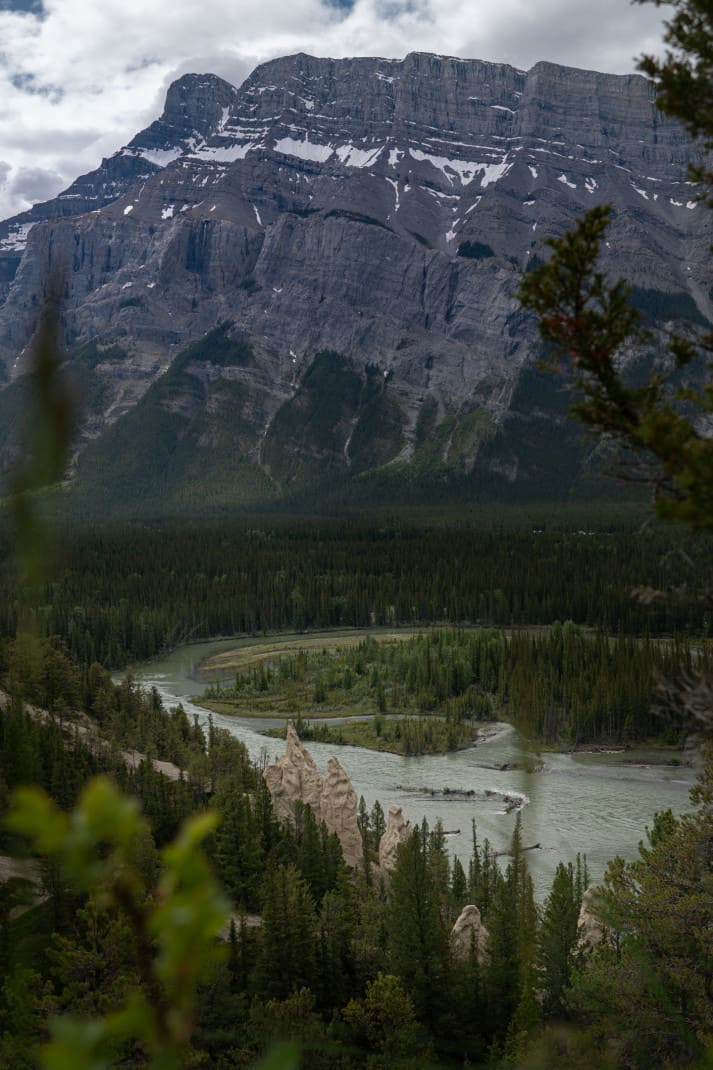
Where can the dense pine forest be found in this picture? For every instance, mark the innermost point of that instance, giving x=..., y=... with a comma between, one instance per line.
x=361, y=972
x=117, y=595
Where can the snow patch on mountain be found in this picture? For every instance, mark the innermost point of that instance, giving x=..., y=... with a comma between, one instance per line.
x=354, y=157
x=304, y=150
x=159, y=157
x=465, y=170
x=16, y=239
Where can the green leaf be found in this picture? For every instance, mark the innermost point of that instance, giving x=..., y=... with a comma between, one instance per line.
x=281, y=1057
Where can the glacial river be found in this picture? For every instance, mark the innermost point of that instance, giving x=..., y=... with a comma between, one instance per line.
x=574, y=804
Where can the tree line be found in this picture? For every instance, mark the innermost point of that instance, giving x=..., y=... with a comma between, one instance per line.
x=121, y=594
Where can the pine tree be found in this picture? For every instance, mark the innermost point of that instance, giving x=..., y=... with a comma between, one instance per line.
x=557, y=940
x=288, y=935
x=648, y=991
x=458, y=888
x=22, y=1019
x=237, y=848
x=418, y=949
x=336, y=929
x=512, y=926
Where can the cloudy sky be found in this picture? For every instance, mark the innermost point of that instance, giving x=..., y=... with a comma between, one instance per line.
x=78, y=78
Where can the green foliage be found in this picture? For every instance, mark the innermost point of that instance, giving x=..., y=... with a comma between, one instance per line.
x=511, y=921
x=288, y=937
x=385, y=1020
x=450, y=446
x=34, y=752
x=558, y=938
x=556, y=685
x=378, y=435
x=319, y=418
x=646, y=993
x=128, y=593
x=589, y=322
x=418, y=951
x=42, y=672
x=22, y=1020
x=173, y=926
x=431, y=673
x=238, y=846
x=157, y=454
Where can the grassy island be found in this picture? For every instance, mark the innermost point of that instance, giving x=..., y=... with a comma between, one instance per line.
x=429, y=692
x=414, y=692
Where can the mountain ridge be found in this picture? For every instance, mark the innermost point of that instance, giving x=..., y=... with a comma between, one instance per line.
x=379, y=210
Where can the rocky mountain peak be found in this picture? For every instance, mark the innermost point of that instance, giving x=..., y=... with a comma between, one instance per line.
x=316, y=271
x=197, y=106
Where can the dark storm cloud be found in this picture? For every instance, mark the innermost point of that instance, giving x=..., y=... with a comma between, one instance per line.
x=35, y=184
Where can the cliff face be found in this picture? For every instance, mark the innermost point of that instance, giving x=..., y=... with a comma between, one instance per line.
x=379, y=210
x=194, y=108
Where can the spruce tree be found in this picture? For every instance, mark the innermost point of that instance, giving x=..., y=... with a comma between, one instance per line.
x=557, y=940
x=418, y=948
x=288, y=935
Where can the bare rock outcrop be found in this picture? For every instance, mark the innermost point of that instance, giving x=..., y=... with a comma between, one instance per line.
x=339, y=806
x=469, y=932
x=590, y=928
x=398, y=830
x=294, y=777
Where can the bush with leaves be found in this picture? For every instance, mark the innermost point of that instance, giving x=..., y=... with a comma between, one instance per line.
x=173, y=927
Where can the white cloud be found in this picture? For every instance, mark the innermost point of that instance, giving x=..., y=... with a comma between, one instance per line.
x=81, y=81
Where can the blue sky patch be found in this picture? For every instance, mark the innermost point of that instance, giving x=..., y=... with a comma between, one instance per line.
x=34, y=7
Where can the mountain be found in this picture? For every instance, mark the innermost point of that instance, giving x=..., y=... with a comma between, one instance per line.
x=307, y=281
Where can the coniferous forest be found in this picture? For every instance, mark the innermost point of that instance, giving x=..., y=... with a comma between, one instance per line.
x=122, y=594
x=559, y=685
x=354, y=969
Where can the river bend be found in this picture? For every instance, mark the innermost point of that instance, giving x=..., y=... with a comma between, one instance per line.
x=574, y=804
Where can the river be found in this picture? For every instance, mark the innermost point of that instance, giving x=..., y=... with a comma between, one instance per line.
x=576, y=803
